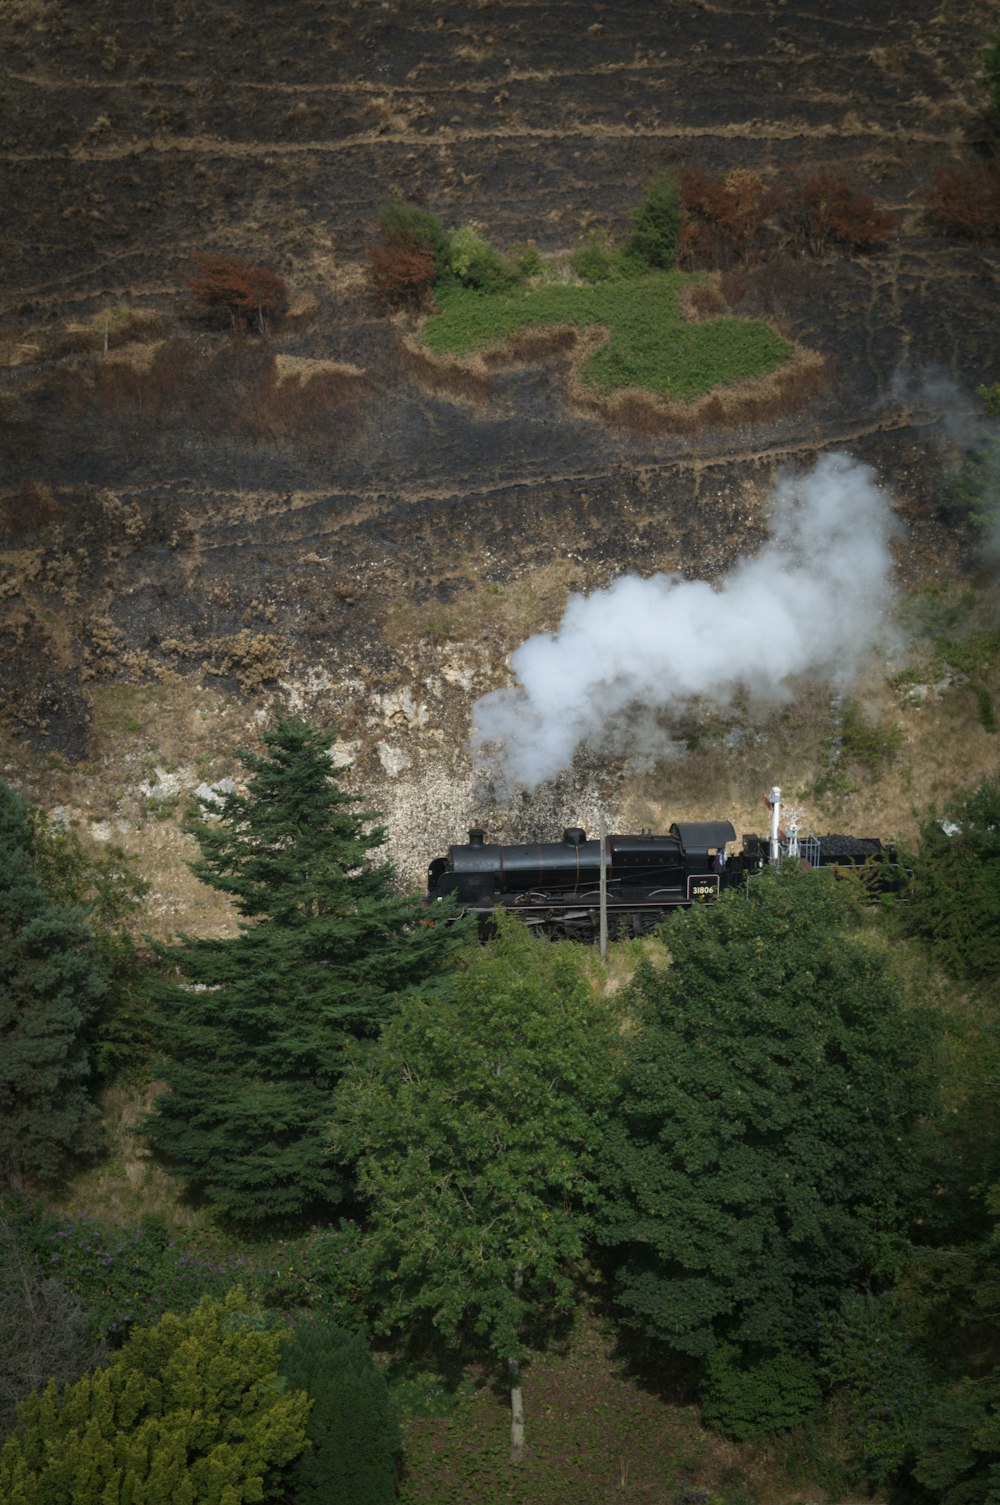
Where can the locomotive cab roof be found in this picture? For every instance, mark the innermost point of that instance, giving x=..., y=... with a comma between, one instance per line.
x=702, y=836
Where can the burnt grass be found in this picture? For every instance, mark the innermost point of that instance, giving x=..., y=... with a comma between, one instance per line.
x=134, y=136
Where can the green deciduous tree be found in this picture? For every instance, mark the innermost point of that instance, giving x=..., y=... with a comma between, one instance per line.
x=955, y=895
x=52, y=985
x=191, y=1411
x=324, y=946
x=476, y=1122
x=760, y=1164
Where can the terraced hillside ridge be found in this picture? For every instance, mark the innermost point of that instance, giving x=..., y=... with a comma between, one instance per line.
x=199, y=529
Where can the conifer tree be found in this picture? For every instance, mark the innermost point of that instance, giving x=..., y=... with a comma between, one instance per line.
x=352, y=1423
x=256, y=1047
x=51, y=987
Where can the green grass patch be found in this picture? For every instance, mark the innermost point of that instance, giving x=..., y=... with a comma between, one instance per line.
x=651, y=343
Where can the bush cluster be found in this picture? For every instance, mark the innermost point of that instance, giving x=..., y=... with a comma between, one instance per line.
x=252, y=298
x=738, y=218
x=415, y=260
x=125, y=1277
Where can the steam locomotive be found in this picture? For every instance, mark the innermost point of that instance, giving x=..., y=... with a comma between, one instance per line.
x=556, y=886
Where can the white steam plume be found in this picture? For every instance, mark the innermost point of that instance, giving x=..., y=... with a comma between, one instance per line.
x=813, y=602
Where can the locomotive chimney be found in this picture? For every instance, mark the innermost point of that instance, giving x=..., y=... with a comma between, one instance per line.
x=476, y=836
x=574, y=836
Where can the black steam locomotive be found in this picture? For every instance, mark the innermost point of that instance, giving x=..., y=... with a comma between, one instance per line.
x=555, y=886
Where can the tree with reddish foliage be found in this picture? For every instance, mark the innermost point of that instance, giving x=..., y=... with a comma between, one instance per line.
x=400, y=274
x=253, y=296
x=723, y=218
x=823, y=210
x=966, y=201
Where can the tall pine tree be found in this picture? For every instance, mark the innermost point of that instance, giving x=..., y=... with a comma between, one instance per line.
x=254, y=1035
x=51, y=987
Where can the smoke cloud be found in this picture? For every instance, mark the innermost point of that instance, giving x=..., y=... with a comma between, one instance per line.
x=812, y=603
x=970, y=438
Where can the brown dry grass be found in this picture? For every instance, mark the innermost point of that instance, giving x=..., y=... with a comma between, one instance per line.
x=128, y=1184
x=765, y=399
x=499, y=615
x=464, y=380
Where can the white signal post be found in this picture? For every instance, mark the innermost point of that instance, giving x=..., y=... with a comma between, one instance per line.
x=775, y=803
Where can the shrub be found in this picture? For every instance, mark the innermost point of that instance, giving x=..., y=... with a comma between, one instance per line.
x=958, y=1453
x=125, y=1277
x=745, y=1399
x=966, y=202
x=352, y=1424
x=406, y=225
x=320, y=1272
x=252, y=296
x=823, y=210
x=478, y=264
x=595, y=259
x=399, y=275
x=955, y=895
x=525, y=260
x=722, y=219
x=656, y=224
x=43, y=1328
x=191, y=1409
x=881, y=1381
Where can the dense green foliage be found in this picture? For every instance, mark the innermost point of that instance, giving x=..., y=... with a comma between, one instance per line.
x=124, y=1276
x=484, y=296
x=651, y=343
x=753, y=1396
x=476, y=263
x=656, y=224
x=955, y=896
x=324, y=946
x=738, y=1127
x=476, y=1121
x=52, y=986
x=760, y=1164
x=110, y=892
x=190, y=1412
x=352, y=1426
x=883, y=1383
x=403, y=224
